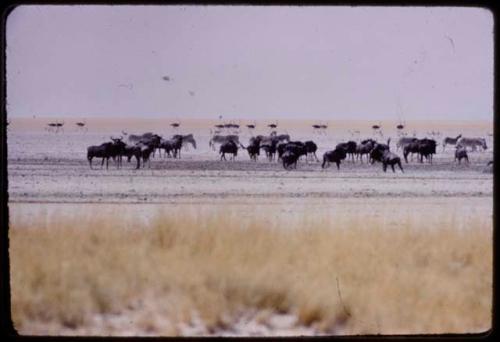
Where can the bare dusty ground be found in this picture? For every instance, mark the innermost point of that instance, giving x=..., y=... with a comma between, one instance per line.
x=49, y=171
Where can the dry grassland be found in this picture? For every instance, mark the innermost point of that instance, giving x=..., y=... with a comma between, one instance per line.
x=358, y=278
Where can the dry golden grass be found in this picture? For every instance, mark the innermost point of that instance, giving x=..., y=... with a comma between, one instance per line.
x=363, y=278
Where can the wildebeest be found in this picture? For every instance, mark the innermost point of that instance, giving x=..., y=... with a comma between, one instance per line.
x=253, y=148
x=403, y=141
x=424, y=147
x=269, y=144
x=146, y=151
x=349, y=147
x=450, y=141
x=167, y=146
x=365, y=147
x=133, y=151
x=336, y=156
x=473, y=143
x=228, y=147
x=311, y=149
x=389, y=158
x=461, y=153
x=377, y=152
x=289, y=159
x=107, y=150
x=151, y=139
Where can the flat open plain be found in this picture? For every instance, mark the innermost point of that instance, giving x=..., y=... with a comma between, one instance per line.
x=50, y=182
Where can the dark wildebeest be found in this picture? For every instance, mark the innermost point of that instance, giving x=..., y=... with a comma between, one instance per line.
x=350, y=148
x=403, y=141
x=311, y=149
x=389, y=158
x=133, y=151
x=151, y=139
x=292, y=152
x=336, y=156
x=166, y=145
x=228, y=147
x=289, y=159
x=365, y=147
x=146, y=150
x=427, y=148
x=269, y=144
x=253, y=148
x=377, y=152
x=461, y=153
x=451, y=141
x=424, y=147
x=176, y=142
x=107, y=150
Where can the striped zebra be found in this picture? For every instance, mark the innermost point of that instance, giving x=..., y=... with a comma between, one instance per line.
x=473, y=143
x=450, y=141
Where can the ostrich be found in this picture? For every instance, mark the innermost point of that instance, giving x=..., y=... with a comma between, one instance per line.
x=81, y=126
x=273, y=126
x=59, y=126
x=323, y=128
x=175, y=125
x=377, y=129
x=316, y=128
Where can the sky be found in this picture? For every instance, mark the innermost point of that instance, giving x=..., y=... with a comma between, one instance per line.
x=244, y=62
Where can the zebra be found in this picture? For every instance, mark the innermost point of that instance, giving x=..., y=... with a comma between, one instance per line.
x=473, y=143
x=221, y=139
x=450, y=141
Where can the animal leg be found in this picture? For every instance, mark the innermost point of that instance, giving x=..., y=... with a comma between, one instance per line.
x=399, y=164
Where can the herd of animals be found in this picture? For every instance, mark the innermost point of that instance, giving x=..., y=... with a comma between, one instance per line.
x=281, y=148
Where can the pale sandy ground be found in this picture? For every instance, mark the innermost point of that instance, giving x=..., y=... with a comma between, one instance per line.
x=48, y=172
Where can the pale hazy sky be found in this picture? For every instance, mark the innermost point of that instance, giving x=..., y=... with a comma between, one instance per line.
x=250, y=62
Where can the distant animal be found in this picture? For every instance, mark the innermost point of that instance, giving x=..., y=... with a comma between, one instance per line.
x=350, y=148
x=114, y=149
x=253, y=148
x=424, y=147
x=365, y=147
x=81, y=126
x=311, y=149
x=146, y=150
x=377, y=152
x=221, y=139
x=473, y=143
x=228, y=147
x=289, y=159
x=389, y=158
x=489, y=167
x=461, y=153
x=133, y=151
x=403, y=141
x=185, y=139
x=336, y=156
x=451, y=141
